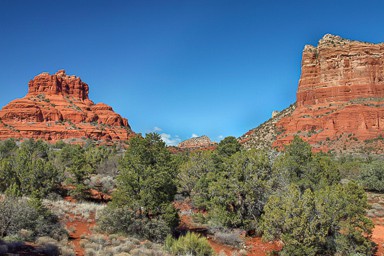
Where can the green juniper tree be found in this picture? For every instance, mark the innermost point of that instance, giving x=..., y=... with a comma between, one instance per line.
x=146, y=187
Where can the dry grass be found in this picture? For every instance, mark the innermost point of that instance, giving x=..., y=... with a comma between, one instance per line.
x=99, y=244
x=376, y=202
x=81, y=210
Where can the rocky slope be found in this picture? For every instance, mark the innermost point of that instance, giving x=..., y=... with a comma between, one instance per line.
x=263, y=136
x=340, y=98
x=202, y=142
x=57, y=107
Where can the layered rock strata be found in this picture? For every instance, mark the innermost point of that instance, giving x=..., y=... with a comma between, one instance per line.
x=57, y=107
x=340, y=97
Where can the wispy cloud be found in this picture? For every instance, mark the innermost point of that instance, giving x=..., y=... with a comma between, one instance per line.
x=220, y=137
x=194, y=135
x=170, y=140
x=157, y=129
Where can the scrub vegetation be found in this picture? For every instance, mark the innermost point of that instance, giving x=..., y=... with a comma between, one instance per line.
x=314, y=203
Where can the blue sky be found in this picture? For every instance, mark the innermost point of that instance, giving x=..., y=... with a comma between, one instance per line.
x=180, y=68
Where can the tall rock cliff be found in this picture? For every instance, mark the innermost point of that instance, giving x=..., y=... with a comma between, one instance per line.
x=340, y=98
x=57, y=107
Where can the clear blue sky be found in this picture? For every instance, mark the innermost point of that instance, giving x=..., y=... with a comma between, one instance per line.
x=217, y=68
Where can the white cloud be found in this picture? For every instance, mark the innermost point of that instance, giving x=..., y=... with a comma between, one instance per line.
x=194, y=135
x=170, y=140
x=157, y=129
x=220, y=137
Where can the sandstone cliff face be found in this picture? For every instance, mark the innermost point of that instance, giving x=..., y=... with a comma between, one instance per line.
x=57, y=107
x=202, y=142
x=340, y=97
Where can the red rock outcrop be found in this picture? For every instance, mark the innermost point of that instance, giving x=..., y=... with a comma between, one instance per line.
x=202, y=142
x=340, y=98
x=57, y=107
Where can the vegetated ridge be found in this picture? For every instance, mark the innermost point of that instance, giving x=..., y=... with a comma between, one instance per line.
x=263, y=136
x=340, y=100
x=57, y=107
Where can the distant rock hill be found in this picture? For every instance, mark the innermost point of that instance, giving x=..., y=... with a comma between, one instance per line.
x=340, y=100
x=202, y=142
x=57, y=107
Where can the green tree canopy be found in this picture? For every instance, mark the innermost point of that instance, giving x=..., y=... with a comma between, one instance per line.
x=324, y=222
x=27, y=170
x=146, y=187
x=240, y=190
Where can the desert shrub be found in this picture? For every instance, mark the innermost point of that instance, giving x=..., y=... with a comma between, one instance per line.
x=372, y=176
x=146, y=188
x=50, y=246
x=327, y=221
x=28, y=169
x=17, y=214
x=197, y=165
x=190, y=244
x=72, y=159
x=124, y=220
x=231, y=238
x=98, y=244
x=306, y=169
x=350, y=168
x=101, y=183
x=239, y=191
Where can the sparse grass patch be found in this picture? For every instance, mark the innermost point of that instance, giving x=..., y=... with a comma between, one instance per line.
x=229, y=238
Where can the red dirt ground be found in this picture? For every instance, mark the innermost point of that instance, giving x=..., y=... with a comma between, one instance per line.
x=80, y=227
x=378, y=237
x=221, y=248
x=254, y=245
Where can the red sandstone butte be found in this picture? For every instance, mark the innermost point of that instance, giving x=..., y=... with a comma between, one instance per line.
x=57, y=107
x=340, y=98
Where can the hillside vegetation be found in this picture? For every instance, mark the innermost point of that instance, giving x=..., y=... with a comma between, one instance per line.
x=314, y=203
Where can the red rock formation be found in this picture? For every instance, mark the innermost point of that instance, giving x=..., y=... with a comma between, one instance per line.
x=202, y=142
x=57, y=107
x=340, y=98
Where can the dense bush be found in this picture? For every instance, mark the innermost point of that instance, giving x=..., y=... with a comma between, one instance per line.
x=312, y=212
x=146, y=187
x=191, y=171
x=125, y=220
x=297, y=197
x=240, y=190
x=327, y=221
x=372, y=176
x=17, y=214
x=37, y=168
x=190, y=244
x=27, y=169
x=308, y=170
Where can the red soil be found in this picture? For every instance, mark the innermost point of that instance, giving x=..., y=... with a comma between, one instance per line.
x=79, y=227
x=256, y=247
x=220, y=248
x=378, y=238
